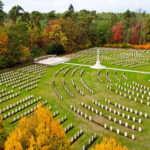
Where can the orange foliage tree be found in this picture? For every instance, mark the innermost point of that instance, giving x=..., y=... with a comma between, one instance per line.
x=3, y=43
x=109, y=144
x=41, y=132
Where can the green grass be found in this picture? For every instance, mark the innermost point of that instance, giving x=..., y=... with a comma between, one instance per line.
x=100, y=93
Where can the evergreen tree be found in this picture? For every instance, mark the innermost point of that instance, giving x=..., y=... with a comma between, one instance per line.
x=15, y=12
x=2, y=14
x=1, y=5
x=71, y=8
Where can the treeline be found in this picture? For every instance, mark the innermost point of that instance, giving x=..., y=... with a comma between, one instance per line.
x=25, y=35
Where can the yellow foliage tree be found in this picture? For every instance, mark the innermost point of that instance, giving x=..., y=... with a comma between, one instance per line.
x=56, y=36
x=3, y=43
x=41, y=132
x=2, y=131
x=26, y=53
x=109, y=144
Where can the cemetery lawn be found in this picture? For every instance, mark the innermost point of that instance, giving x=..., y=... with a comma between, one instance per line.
x=100, y=93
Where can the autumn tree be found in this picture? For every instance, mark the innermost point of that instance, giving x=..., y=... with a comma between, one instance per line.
x=41, y=132
x=2, y=131
x=3, y=43
x=57, y=36
x=15, y=45
x=118, y=31
x=62, y=32
x=109, y=144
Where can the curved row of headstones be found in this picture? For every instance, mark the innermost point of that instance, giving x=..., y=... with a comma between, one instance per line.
x=66, y=89
x=20, y=108
x=91, y=140
x=12, y=105
x=98, y=76
x=116, y=76
x=125, y=95
x=58, y=71
x=67, y=71
x=56, y=91
x=27, y=112
x=107, y=76
x=81, y=73
x=9, y=97
x=110, y=128
x=76, y=88
x=128, y=109
x=83, y=83
x=124, y=76
x=86, y=87
x=112, y=119
x=118, y=113
x=74, y=71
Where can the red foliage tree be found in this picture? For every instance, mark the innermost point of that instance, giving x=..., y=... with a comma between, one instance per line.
x=118, y=31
